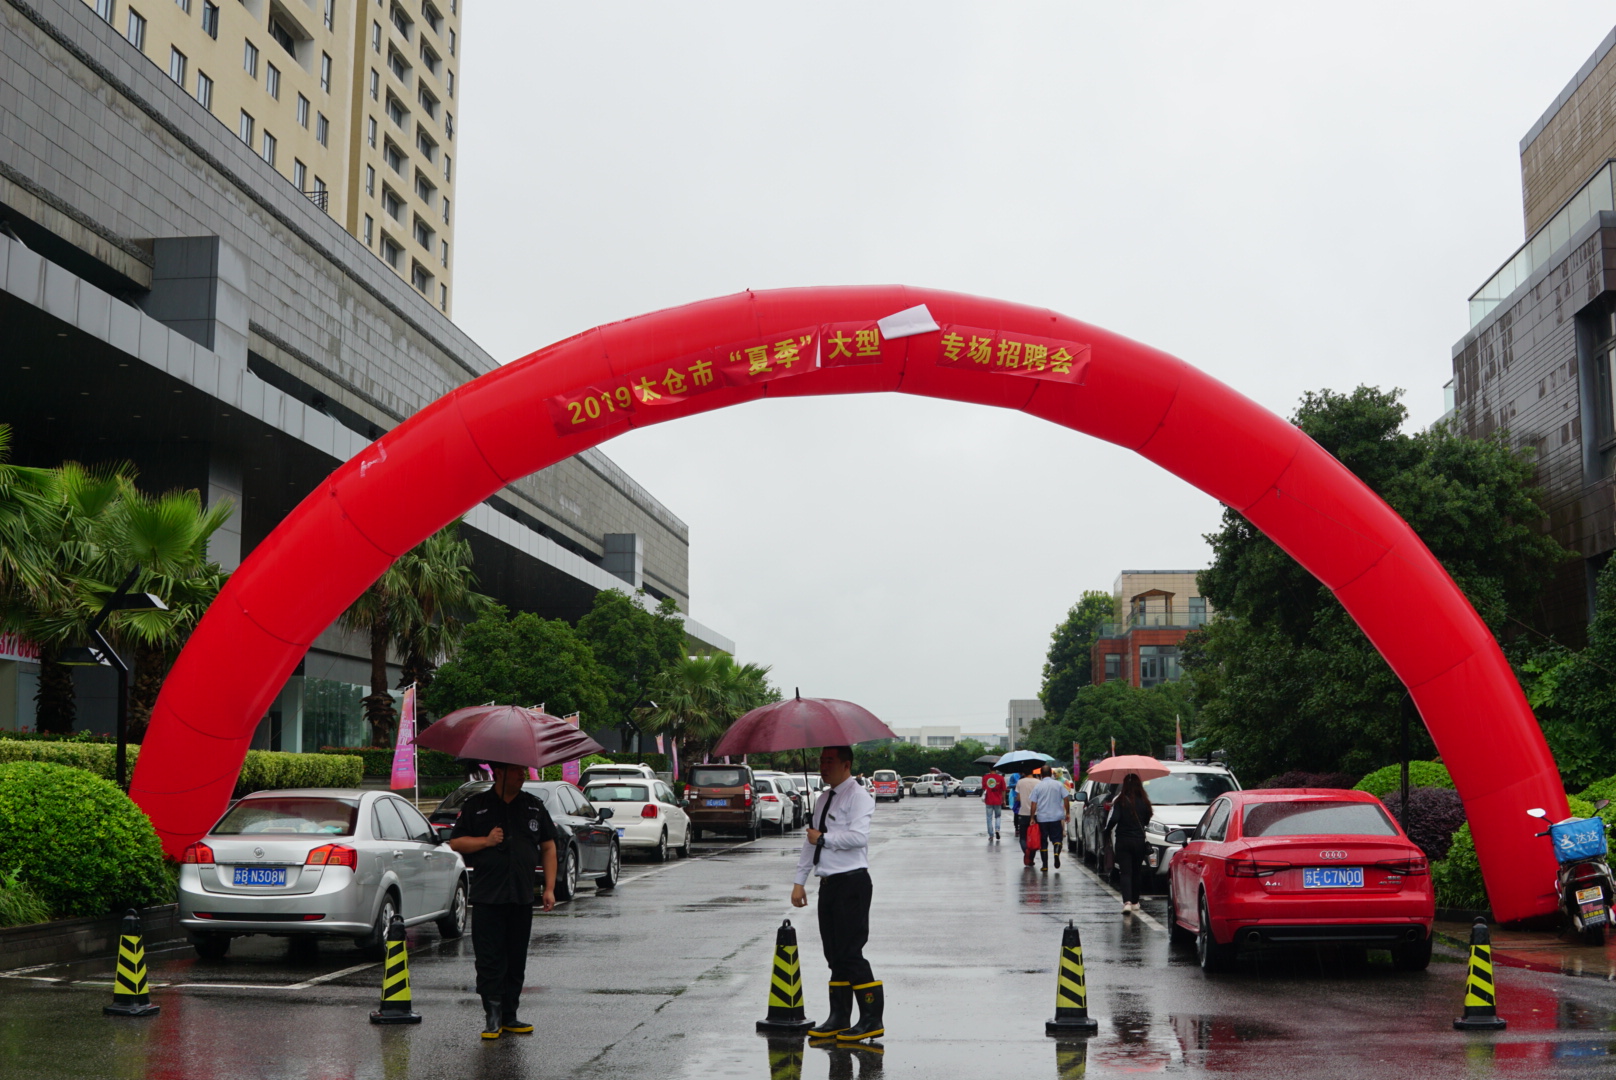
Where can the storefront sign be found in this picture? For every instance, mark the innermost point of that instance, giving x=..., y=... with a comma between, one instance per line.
x=13, y=647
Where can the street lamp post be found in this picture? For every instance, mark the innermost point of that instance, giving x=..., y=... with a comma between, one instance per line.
x=100, y=653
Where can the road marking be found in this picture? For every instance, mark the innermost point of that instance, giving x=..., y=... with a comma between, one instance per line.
x=1143, y=916
x=318, y=979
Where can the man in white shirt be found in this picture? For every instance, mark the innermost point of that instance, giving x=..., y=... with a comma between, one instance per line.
x=835, y=849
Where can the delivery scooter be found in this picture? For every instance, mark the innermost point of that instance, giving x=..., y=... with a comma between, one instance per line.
x=1584, y=880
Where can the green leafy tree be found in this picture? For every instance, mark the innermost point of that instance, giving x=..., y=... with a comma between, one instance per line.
x=1574, y=693
x=30, y=499
x=521, y=660
x=1067, y=667
x=632, y=645
x=697, y=698
x=1284, y=678
x=1141, y=720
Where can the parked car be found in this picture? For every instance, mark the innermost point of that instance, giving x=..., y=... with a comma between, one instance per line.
x=587, y=845
x=885, y=784
x=1300, y=865
x=909, y=783
x=319, y=862
x=722, y=798
x=774, y=805
x=936, y=784
x=797, y=796
x=971, y=785
x=647, y=816
x=612, y=772
x=1178, y=800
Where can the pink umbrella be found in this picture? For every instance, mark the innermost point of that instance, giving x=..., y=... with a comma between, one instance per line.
x=509, y=734
x=798, y=723
x=1112, y=769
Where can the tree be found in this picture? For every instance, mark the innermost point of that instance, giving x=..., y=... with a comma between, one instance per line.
x=1573, y=693
x=697, y=698
x=1284, y=678
x=1067, y=668
x=1141, y=720
x=521, y=660
x=632, y=646
x=29, y=500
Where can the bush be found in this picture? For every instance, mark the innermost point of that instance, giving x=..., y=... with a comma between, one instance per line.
x=19, y=904
x=77, y=841
x=378, y=760
x=1457, y=878
x=263, y=769
x=1434, y=815
x=96, y=757
x=1310, y=779
x=1382, y=782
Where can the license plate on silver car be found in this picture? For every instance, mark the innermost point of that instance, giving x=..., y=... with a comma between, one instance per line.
x=259, y=875
x=1332, y=877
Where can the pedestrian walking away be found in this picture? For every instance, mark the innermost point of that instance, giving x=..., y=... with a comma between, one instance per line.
x=993, y=792
x=504, y=833
x=1130, y=813
x=1024, y=789
x=1050, y=802
x=836, y=850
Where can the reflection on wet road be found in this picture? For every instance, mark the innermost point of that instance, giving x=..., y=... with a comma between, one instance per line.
x=666, y=975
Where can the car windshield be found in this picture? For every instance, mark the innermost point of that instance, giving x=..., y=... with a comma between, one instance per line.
x=462, y=793
x=290, y=815
x=617, y=793
x=885, y=776
x=1315, y=818
x=1187, y=788
x=708, y=777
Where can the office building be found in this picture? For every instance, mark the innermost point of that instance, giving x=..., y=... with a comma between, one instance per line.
x=1156, y=609
x=1021, y=714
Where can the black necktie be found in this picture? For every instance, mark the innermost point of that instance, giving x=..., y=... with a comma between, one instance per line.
x=824, y=812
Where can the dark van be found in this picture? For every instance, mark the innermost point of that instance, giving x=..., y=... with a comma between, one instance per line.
x=722, y=798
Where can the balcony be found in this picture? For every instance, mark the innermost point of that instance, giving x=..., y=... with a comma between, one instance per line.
x=1155, y=620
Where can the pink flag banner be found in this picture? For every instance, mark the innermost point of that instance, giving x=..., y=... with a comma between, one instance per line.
x=572, y=771
x=404, y=751
x=1178, y=738
x=673, y=757
x=659, y=745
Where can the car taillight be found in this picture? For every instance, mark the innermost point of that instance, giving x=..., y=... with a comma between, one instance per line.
x=333, y=855
x=746, y=792
x=650, y=810
x=198, y=853
x=769, y=798
x=1253, y=868
x=1416, y=865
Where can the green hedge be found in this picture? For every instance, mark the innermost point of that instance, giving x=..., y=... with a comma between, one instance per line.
x=378, y=760
x=77, y=842
x=263, y=769
x=1457, y=878
x=1383, y=782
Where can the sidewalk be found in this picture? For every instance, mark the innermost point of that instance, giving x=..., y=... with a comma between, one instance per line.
x=1540, y=950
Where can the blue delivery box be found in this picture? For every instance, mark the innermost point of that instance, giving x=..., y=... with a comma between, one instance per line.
x=1578, y=838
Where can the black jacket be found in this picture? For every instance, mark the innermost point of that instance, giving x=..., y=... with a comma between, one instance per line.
x=1126, y=819
x=507, y=872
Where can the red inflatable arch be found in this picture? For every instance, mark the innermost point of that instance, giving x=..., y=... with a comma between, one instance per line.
x=796, y=342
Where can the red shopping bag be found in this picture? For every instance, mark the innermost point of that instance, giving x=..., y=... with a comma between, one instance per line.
x=1035, y=836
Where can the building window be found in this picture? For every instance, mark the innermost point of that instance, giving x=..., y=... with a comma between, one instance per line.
x=246, y=128
x=424, y=143
x=443, y=297
x=210, y=19
x=429, y=57
x=267, y=148
x=283, y=37
x=939, y=740
x=370, y=180
x=376, y=36
x=396, y=112
x=370, y=132
x=429, y=104
x=272, y=81
x=451, y=41
x=445, y=253
x=136, y=32
x=204, y=91
x=395, y=157
x=390, y=251
x=424, y=188
x=302, y=112
x=423, y=234
x=1113, y=666
x=446, y=177
x=184, y=5
x=1158, y=664
x=330, y=14
x=249, y=59
x=322, y=129
x=176, y=66
x=449, y=77
x=375, y=85
x=106, y=9
x=1197, y=610
x=432, y=16
x=370, y=229
x=300, y=175
x=402, y=21
x=448, y=126
x=420, y=278
x=325, y=72
x=392, y=204
x=446, y=209
x=322, y=196
x=401, y=70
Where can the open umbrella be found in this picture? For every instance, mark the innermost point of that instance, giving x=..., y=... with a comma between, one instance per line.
x=987, y=759
x=798, y=723
x=1023, y=759
x=1113, y=769
x=509, y=734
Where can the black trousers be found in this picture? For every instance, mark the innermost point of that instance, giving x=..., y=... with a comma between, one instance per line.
x=499, y=937
x=1051, y=835
x=844, y=925
x=1130, y=855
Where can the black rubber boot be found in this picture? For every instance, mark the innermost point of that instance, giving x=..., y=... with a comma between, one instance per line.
x=491, y=1018
x=508, y=1022
x=841, y=1012
x=871, y=1001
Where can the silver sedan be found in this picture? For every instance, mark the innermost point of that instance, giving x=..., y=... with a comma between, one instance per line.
x=319, y=862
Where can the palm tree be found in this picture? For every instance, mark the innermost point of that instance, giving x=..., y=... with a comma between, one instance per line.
x=29, y=498
x=696, y=699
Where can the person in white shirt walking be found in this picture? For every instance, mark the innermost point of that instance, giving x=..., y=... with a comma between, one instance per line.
x=835, y=849
x=1024, y=789
x=1050, y=801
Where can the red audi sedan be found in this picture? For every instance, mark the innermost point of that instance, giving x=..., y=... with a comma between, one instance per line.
x=1292, y=866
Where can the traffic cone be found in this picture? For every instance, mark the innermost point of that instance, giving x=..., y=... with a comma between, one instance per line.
x=786, y=1013
x=396, y=981
x=785, y=1058
x=130, y=995
x=1071, y=1059
x=1071, y=989
x=1481, y=998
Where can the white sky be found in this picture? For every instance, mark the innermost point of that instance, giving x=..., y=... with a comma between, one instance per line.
x=1289, y=196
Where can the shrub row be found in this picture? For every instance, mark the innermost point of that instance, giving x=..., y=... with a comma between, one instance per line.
x=1382, y=782
x=1296, y=779
x=263, y=769
x=1434, y=815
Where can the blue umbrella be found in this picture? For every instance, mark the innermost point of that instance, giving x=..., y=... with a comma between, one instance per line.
x=1027, y=758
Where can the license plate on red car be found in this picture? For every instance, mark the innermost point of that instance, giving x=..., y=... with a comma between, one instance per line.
x=1332, y=877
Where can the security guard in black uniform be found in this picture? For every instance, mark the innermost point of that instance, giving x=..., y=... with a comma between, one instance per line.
x=504, y=834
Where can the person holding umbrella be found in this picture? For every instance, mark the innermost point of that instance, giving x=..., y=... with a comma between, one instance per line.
x=1130, y=813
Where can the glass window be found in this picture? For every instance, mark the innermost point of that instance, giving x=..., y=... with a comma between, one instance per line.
x=325, y=72
x=585, y=807
x=283, y=37
x=370, y=229
x=375, y=85
x=1219, y=823
x=1314, y=817
x=300, y=175
x=321, y=194
x=289, y=815
x=302, y=111
x=370, y=180
x=1158, y=664
x=210, y=19
x=446, y=209
x=449, y=82
x=448, y=126
x=249, y=59
x=423, y=235
x=246, y=127
x=451, y=41
x=446, y=169
x=716, y=776
x=106, y=9
x=462, y=793
x=330, y=14
x=1604, y=387
x=424, y=143
x=399, y=68
x=184, y=5
x=445, y=254
x=1187, y=789
x=267, y=148
x=391, y=203
x=1113, y=665
x=136, y=32
x=402, y=21
x=391, y=252
x=370, y=131
x=322, y=129
x=396, y=112
x=414, y=824
x=272, y=81
x=376, y=36
x=389, y=826
x=420, y=278
x=204, y=91
x=176, y=66
x=618, y=793
x=395, y=157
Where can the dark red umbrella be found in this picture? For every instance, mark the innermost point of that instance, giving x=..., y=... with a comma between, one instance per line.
x=798, y=723
x=507, y=733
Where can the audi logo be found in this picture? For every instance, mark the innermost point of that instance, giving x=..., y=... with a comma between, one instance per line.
x=1332, y=854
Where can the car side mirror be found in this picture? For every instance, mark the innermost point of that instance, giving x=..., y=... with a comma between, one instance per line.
x=1537, y=812
x=1080, y=796
x=1179, y=836
x=1600, y=804
x=605, y=812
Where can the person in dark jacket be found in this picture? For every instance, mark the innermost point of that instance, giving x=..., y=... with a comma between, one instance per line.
x=1130, y=813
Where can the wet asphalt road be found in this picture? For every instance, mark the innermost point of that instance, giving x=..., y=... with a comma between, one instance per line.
x=665, y=977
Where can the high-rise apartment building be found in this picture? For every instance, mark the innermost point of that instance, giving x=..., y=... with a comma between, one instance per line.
x=351, y=102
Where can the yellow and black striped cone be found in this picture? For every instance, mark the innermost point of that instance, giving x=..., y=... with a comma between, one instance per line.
x=1071, y=989
x=1071, y=1059
x=785, y=1057
x=130, y=994
x=786, y=1013
x=396, y=981
x=1481, y=996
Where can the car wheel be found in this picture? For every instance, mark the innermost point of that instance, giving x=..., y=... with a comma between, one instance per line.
x=1176, y=934
x=683, y=850
x=374, y=944
x=211, y=946
x=453, y=922
x=566, y=886
x=754, y=830
x=614, y=869
x=1209, y=954
x=661, y=852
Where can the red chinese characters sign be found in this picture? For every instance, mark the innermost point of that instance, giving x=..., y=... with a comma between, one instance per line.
x=977, y=349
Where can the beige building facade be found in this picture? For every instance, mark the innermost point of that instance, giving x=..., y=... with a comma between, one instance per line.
x=351, y=101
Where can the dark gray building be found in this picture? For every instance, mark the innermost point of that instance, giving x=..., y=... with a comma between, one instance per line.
x=167, y=297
